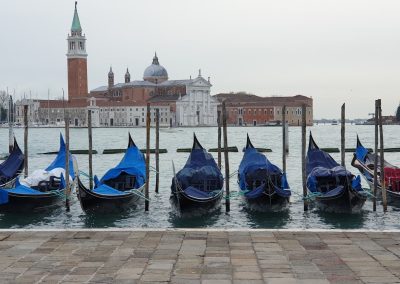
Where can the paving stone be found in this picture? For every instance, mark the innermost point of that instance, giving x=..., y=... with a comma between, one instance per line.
x=192, y=256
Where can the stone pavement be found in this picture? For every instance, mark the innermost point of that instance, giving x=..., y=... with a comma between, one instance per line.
x=199, y=256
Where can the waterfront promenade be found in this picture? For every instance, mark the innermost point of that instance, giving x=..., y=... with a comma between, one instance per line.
x=199, y=256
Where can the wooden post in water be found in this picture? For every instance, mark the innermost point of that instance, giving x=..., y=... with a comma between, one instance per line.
x=376, y=156
x=284, y=139
x=26, y=140
x=146, y=191
x=303, y=153
x=219, y=138
x=10, y=124
x=157, y=151
x=382, y=161
x=90, y=149
x=342, y=136
x=226, y=158
x=68, y=186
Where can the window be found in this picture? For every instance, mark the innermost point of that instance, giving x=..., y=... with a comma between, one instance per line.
x=81, y=46
x=142, y=119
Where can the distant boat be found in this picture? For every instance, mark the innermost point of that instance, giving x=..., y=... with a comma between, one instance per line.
x=334, y=122
x=198, y=187
x=262, y=184
x=330, y=185
x=120, y=188
x=364, y=162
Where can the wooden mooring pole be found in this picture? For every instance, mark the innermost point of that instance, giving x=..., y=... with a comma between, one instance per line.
x=303, y=154
x=68, y=186
x=284, y=139
x=219, y=138
x=10, y=124
x=382, y=161
x=376, y=156
x=343, y=136
x=26, y=140
x=146, y=190
x=90, y=149
x=226, y=158
x=157, y=150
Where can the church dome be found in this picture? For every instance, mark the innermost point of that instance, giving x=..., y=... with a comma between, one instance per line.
x=155, y=72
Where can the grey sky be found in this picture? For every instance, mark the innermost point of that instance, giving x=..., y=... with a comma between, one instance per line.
x=335, y=51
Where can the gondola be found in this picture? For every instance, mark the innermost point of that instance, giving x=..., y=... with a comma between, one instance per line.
x=262, y=184
x=198, y=187
x=120, y=188
x=43, y=189
x=364, y=162
x=11, y=167
x=331, y=186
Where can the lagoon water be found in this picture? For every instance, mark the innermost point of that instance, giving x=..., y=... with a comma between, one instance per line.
x=161, y=214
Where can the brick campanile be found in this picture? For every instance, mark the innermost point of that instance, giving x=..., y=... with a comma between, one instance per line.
x=77, y=61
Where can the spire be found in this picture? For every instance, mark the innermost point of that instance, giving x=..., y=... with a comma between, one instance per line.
x=155, y=59
x=76, y=24
x=127, y=76
x=199, y=72
x=110, y=73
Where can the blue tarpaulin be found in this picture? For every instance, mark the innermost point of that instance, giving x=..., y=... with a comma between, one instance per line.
x=199, y=169
x=108, y=190
x=254, y=161
x=320, y=164
x=59, y=161
x=133, y=163
x=13, y=164
x=3, y=196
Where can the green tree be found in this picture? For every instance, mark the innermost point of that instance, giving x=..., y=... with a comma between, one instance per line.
x=398, y=113
x=3, y=114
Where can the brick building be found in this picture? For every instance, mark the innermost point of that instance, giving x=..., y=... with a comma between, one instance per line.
x=246, y=109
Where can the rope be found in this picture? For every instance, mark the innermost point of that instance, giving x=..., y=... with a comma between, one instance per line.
x=84, y=174
x=153, y=169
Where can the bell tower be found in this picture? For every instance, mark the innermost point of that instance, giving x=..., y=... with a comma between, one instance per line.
x=77, y=60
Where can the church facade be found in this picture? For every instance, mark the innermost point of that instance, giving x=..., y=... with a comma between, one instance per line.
x=122, y=104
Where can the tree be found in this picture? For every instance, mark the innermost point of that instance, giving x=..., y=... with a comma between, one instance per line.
x=3, y=114
x=398, y=113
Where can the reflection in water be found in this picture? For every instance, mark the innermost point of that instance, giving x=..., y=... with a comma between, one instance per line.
x=188, y=220
x=93, y=219
x=266, y=220
x=343, y=220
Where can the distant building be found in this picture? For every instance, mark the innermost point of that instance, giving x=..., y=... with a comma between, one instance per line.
x=246, y=109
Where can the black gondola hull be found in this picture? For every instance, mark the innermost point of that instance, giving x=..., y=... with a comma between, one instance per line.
x=267, y=203
x=90, y=201
x=29, y=203
x=186, y=204
x=347, y=202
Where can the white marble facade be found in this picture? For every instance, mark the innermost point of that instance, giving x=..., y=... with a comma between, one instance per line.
x=197, y=108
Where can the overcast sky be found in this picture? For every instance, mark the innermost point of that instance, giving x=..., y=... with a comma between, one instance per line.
x=335, y=51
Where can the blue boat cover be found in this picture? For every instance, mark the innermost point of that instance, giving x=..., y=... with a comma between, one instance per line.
x=3, y=196
x=320, y=164
x=108, y=190
x=13, y=164
x=199, y=194
x=361, y=152
x=199, y=167
x=25, y=190
x=59, y=161
x=133, y=163
x=334, y=192
x=252, y=161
